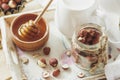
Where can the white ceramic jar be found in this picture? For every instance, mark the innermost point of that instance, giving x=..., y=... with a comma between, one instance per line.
x=70, y=13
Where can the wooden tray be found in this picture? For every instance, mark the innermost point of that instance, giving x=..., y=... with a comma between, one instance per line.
x=58, y=44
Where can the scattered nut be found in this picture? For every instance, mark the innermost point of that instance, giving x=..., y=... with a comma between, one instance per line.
x=109, y=56
x=24, y=60
x=42, y=63
x=81, y=75
x=0, y=2
x=12, y=4
x=0, y=44
x=9, y=78
x=45, y=75
x=56, y=72
x=17, y=1
x=92, y=58
x=114, y=59
x=68, y=53
x=53, y=62
x=65, y=66
x=5, y=1
x=24, y=77
x=28, y=0
x=46, y=50
x=8, y=7
x=35, y=55
x=5, y=6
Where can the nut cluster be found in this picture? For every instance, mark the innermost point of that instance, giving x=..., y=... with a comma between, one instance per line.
x=42, y=62
x=10, y=6
x=89, y=36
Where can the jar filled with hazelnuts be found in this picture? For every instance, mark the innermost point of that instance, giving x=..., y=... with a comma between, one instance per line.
x=89, y=44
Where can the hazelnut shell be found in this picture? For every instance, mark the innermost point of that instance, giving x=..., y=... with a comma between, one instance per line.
x=17, y=1
x=45, y=75
x=81, y=75
x=65, y=66
x=53, y=62
x=12, y=4
x=42, y=63
x=5, y=1
x=56, y=72
x=46, y=50
x=5, y=6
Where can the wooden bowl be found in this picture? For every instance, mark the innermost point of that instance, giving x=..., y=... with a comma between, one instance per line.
x=29, y=45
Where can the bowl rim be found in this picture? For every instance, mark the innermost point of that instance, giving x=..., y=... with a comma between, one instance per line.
x=46, y=32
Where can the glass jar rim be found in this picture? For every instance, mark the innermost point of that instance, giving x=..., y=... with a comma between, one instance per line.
x=87, y=46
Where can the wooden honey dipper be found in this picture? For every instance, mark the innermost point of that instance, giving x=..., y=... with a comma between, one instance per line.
x=30, y=28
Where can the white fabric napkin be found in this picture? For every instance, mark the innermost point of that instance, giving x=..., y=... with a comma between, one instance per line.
x=112, y=27
x=112, y=70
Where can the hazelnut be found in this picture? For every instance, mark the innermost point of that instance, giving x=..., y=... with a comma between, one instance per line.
x=5, y=6
x=5, y=1
x=45, y=75
x=93, y=58
x=17, y=1
x=42, y=63
x=8, y=78
x=65, y=66
x=46, y=50
x=0, y=44
x=24, y=77
x=24, y=60
x=81, y=75
x=109, y=56
x=56, y=72
x=12, y=4
x=35, y=55
x=53, y=62
x=0, y=3
x=68, y=53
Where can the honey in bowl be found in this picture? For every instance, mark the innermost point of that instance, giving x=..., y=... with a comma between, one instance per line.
x=29, y=30
x=37, y=36
x=32, y=43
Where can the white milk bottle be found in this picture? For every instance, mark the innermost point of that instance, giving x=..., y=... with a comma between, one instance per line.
x=70, y=13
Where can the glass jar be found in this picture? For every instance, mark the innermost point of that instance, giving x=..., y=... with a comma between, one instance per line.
x=90, y=54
